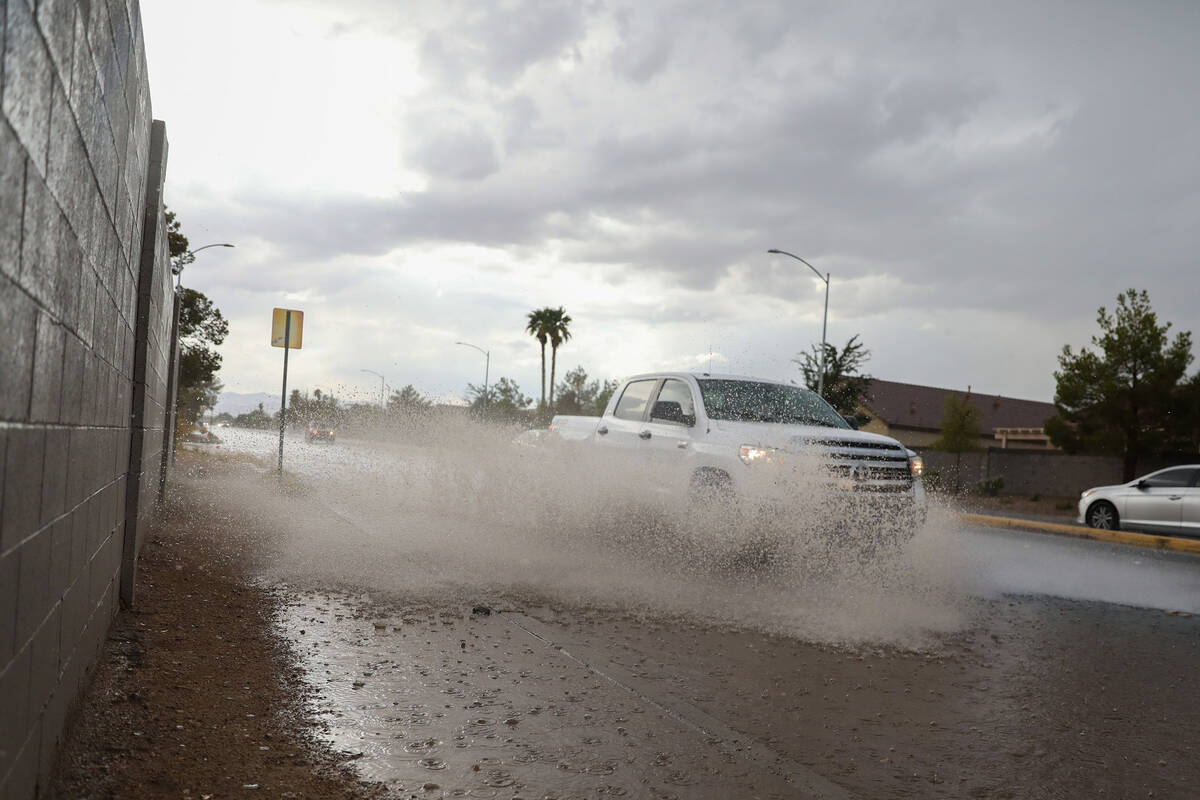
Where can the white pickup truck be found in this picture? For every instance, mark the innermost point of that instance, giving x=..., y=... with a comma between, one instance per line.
x=713, y=438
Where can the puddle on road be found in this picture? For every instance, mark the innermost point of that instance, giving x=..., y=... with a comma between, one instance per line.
x=435, y=701
x=454, y=704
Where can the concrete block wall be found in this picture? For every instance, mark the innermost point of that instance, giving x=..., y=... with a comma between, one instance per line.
x=84, y=282
x=1050, y=473
x=152, y=367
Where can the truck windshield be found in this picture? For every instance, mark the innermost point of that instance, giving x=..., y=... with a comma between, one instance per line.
x=752, y=401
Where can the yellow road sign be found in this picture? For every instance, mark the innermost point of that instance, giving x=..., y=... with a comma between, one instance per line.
x=279, y=323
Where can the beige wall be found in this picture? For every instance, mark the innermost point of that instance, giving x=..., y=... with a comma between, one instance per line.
x=908, y=438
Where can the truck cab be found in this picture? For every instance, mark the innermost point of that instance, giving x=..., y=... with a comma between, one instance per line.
x=730, y=435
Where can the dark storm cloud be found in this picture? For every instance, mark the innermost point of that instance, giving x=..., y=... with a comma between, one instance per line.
x=645, y=45
x=1021, y=148
x=317, y=229
x=456, y=149
x=497, y=42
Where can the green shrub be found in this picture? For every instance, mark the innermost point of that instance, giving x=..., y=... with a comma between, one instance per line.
x=990, y=487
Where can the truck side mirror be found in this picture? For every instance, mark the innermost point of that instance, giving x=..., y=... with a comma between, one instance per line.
x=671, y=411
x=851, y=420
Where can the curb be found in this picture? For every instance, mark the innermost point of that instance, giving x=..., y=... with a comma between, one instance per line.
x=1147, y=540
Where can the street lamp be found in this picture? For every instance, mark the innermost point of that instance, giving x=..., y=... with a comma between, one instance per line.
x=824, y=321
x=487, y=364
x=177, y=268
x=382, y=402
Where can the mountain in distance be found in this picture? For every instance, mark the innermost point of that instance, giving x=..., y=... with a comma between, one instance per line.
x=237, y=403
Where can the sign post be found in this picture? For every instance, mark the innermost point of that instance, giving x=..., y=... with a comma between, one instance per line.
x=287, y=331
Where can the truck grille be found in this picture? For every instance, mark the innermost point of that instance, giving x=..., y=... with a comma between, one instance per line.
x=862, y=466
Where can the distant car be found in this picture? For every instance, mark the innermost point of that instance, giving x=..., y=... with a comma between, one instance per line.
x=319, y=432
x=1167, y=501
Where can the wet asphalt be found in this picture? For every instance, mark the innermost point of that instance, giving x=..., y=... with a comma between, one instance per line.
x=1035, y=697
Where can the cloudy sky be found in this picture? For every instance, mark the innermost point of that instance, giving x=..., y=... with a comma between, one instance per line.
x=978, y=178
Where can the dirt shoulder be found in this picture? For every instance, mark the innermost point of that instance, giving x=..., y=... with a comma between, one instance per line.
x=194, y=695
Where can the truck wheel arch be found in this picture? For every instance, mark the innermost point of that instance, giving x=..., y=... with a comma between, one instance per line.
x=710, y=484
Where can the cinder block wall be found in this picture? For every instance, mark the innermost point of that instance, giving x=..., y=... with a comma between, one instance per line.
x=1050, y=473
x=85, y=320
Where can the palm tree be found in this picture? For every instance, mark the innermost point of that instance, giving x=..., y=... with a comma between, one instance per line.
x=539, y=328
x=557, y=328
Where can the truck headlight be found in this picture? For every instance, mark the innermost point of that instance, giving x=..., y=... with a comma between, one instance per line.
x=916, y=466
x=752, y=453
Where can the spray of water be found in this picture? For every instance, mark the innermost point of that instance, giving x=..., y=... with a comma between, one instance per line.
x=466, y=515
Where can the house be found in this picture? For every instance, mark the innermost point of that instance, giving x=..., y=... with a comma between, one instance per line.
x=913, y=414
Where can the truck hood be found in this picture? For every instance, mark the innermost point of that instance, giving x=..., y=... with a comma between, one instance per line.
x=793, y=437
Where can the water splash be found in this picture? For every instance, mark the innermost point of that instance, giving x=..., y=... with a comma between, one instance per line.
x=476, y=517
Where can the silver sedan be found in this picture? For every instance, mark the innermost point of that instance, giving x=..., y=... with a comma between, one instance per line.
x=1167, y=501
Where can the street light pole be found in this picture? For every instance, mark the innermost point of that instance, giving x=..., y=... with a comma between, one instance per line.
x=172, y=415
x=382, y=402
x=824, y=320
x=177, y=269
x=487, y=364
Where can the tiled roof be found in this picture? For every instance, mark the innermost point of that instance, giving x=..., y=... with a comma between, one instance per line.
x=908, y=405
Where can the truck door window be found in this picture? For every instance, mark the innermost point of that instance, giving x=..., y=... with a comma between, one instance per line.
x=674, y=391
x=632, y=404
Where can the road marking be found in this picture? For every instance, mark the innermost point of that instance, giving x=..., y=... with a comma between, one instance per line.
x=795, y=777
x=1120, y=537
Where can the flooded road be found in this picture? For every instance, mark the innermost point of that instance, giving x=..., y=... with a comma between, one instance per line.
x=468, y=636
x=1040, y=699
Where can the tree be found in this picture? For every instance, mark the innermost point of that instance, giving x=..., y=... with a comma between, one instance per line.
x=408, y=414
x=297, y=408
x=844, y=387
x=201, y=328
x=558, y=323
x=1187, y=428
x=504, y=401
x=407, y=401
x=575, y=392
x=258, y=418
x=606, y=392
x=321, y=407
x=355, y=417
x=539, y=328
x=960, y=431
x=177, y=242
x=1126, y=397
x=578, y=395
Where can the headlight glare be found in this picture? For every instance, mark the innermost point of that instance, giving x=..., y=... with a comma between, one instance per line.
x=752, y=453
x=916, y=466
